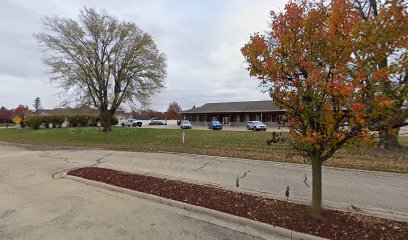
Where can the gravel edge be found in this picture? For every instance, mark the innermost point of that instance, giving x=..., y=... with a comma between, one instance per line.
x=244, y=225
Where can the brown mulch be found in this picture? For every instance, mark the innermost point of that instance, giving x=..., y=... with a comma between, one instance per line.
x=336, y=224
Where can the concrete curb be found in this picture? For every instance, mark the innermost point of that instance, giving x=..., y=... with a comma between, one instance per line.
x=62, y=147
x=328, y=168
x=335, y=206
x=251, y=227
x=346, y=208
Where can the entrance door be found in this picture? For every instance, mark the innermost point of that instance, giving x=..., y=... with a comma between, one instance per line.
x=225, y=121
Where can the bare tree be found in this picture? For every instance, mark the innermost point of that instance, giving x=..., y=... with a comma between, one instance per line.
x=102, y=61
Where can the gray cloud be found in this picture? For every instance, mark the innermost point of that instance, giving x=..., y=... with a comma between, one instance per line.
x=202, y=41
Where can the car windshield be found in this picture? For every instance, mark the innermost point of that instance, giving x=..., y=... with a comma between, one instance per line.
x=215, y=122
x=185, y=122
x=256, y=122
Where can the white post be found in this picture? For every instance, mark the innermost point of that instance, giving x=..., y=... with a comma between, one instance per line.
x=184, y=134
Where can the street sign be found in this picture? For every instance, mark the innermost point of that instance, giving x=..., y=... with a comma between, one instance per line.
x=17, y=120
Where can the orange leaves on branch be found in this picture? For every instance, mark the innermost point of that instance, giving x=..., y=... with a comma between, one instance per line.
x=327, y=65
x=320, y=63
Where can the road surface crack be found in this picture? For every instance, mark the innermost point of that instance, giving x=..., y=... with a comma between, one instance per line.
x=243, y=176
x=305, y=181
x=61, y=174
x=99, y=160
x=205, y=164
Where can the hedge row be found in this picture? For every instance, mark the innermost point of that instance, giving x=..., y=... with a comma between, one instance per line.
x=77, y=120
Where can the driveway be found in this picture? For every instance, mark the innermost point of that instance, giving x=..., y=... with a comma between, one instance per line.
x=31, y=181
x=33, y=205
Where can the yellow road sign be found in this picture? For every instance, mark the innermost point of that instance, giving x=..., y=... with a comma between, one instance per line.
x=17, y=120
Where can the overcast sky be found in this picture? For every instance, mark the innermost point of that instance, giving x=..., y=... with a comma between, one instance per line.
x=201, y=39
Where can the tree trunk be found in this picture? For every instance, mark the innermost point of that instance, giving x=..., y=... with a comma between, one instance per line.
x=106, y=121
x=316, y=188
x=389, y=139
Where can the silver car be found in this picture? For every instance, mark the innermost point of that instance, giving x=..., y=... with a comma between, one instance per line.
x=185, y=124
x=256, y=125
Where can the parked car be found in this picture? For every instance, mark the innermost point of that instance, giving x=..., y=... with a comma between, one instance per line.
x=215, y=125
x=256, y=125
x=249, y=123
x=157, y=122
x=131, y=123
x=185, y=124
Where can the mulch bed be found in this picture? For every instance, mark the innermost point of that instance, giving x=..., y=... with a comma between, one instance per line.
x=336, y=224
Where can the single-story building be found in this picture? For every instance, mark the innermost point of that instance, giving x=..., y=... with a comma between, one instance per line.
x=236, y=113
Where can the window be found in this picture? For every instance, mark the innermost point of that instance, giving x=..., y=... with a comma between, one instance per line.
x=273, y=118
x=280, y=119
x=225, y=120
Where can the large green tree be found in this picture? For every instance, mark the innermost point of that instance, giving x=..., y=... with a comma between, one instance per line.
x=314, y=63
x=101, y=60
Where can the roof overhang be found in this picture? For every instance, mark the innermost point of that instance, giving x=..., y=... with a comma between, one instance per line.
x=251, y=111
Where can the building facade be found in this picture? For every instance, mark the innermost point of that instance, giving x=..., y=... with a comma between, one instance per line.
x=236, y=113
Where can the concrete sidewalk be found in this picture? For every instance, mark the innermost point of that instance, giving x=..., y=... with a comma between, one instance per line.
x=375, y=193
x=34, y=205
x=382, y=194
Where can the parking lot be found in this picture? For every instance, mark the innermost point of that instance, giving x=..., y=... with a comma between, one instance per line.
x=172, y=124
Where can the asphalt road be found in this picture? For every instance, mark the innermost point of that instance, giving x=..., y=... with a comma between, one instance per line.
x=38, y=202
x=33, y=205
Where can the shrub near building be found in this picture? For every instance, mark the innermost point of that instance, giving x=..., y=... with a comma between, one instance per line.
x=73, y=120
x=35, y=122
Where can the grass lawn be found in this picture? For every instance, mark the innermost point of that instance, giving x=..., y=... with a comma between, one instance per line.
x=250, y=145
x=5, y=124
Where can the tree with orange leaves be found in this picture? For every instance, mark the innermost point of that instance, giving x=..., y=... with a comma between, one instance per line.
x=314, y=63
x=383, y=50
x=173, y=111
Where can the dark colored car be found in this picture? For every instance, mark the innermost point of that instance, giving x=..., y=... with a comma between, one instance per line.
x=157, y=122
x=215, y=125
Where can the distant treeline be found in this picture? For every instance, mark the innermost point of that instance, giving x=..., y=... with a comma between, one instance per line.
x=7, y=114
x=147, y=114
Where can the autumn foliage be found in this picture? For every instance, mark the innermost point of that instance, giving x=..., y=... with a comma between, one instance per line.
x=320, y=62
x=173, y=112
x=6, y=115
x=383, y=61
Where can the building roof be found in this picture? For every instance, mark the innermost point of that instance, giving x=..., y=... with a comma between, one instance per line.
x=65, y=111
x=235, y=107
x=83, y=110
